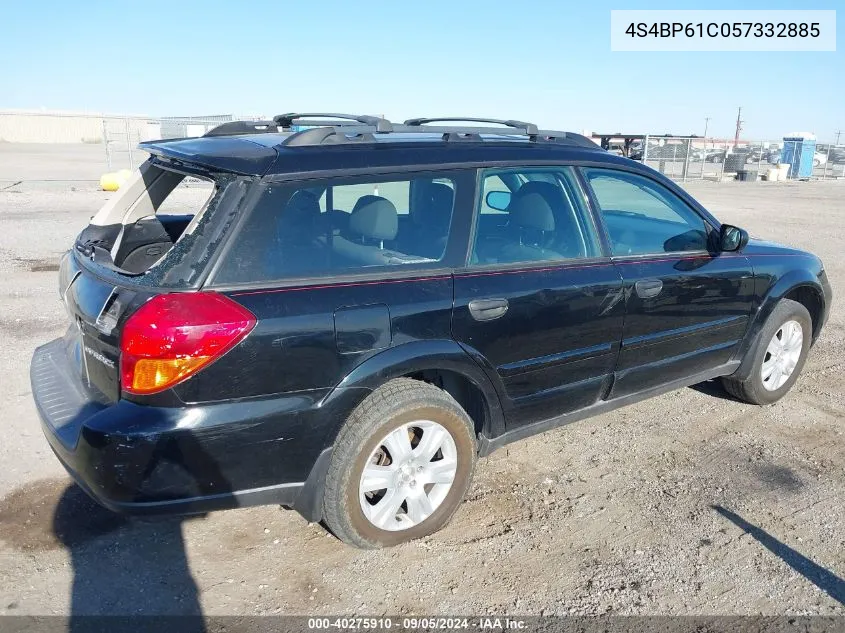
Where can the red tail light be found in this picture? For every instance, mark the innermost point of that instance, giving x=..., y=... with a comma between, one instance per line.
x=173, y=336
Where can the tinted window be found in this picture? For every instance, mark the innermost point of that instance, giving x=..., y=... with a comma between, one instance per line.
x=644, y=217
x=341, y=227
x=532, y=214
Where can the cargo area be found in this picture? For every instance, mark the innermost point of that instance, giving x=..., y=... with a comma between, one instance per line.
x=150, y=212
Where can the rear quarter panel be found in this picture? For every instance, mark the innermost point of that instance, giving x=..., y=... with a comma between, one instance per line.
x=295, y=345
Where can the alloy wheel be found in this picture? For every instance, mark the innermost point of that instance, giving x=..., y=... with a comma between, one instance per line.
x=782, y=355
x=408, y=475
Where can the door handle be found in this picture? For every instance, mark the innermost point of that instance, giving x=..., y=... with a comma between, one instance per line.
x=648, y=288
x=488, y=309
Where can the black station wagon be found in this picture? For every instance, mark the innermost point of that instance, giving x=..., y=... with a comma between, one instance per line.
x=339, y=314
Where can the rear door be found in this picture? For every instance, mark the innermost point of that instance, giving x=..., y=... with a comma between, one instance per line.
x=687, y=306
x=538, y=304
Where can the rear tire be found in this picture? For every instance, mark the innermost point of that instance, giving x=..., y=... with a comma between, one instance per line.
x=417, y=446
x=779, y=355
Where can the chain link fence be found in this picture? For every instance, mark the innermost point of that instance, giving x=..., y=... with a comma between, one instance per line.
x=111, y=143
x=699, y=158
x=107, y=142
x=121, y=136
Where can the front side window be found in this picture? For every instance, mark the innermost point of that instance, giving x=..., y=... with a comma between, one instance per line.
x=532, y=215
x=342, y=227
x=643, y=217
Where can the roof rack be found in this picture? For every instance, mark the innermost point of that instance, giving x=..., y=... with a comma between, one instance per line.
x=326, y=128
x=528, y=128
x=286, y=120
x=230, y=128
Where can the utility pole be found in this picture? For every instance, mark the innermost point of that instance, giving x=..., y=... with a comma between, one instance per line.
x=739, y=123
x=706, y=123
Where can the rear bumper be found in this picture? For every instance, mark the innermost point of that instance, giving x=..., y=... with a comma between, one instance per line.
x=161, y=460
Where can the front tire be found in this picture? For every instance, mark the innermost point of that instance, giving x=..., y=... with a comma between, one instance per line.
x=400, y=466
x=780, y=354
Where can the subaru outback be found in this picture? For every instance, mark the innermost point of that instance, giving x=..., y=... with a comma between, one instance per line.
x=339, y=314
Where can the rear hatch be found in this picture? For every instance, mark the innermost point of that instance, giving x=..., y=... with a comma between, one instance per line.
x=94, y=306
x=148, y=239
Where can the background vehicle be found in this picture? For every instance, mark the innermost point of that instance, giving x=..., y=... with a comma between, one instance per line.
x=673, y=151
x=755, y=154
x=773, y=155
x=835, y=154
x=715, y=156
x=347, y=341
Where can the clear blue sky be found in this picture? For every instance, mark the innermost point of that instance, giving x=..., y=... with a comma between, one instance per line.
x=544, y=61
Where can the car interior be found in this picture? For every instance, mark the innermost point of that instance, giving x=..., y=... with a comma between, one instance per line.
x=149, y=214
x=641, y=218
x=540, y=222
x=307, y=234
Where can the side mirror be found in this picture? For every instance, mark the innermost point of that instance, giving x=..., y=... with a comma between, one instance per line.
x=498, y=200
x=732, y=238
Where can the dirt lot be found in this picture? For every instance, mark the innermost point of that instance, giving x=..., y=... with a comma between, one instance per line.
x=691, y=503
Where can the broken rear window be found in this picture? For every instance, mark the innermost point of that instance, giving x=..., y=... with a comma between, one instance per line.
x=148, y=215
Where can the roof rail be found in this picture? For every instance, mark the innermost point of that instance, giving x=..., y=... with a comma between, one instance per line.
x=356, y=133
x=286, y=120
x=528, y=128
x=571, y=138
x=231, y=128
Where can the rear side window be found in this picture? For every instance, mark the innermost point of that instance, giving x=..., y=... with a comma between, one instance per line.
x=342, y=226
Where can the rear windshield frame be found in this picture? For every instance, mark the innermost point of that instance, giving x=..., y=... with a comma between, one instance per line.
x=186, y=263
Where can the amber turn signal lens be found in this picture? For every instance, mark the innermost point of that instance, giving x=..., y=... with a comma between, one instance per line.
x=153, y=374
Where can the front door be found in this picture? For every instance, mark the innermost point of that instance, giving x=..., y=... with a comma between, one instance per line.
x=687, y=306
x=538, y=305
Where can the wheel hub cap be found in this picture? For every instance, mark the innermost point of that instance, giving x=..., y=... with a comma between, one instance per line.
x=408, y=475
x=782, y=355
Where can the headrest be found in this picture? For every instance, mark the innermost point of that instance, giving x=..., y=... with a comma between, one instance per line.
x=302, y=204
x=434, y=205
x=299, y=218
x=375, y=218
x=550, y=191
x=365, y=199
x=531, y=211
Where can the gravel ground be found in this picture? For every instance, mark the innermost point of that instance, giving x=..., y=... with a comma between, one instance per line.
x=690, y=503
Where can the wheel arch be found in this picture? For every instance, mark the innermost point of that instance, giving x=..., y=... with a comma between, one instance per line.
x=812, y=298
x=797, y=285
x=440, y=362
